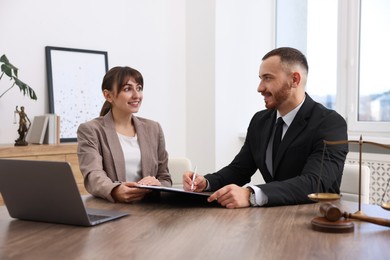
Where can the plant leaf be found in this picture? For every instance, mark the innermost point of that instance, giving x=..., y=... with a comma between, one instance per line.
x=25, y=88
x=7, y=70
x=4, y=59
x=8, y=66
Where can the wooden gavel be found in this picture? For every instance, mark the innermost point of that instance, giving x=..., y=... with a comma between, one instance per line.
x=333, y=213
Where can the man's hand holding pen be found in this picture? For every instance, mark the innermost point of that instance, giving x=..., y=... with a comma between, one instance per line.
x=193, y=181
x=230, y=196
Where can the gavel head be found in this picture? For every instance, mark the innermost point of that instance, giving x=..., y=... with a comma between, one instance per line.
x=330, y=211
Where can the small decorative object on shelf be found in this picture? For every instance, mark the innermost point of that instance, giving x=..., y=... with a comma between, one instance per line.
x=24, y=126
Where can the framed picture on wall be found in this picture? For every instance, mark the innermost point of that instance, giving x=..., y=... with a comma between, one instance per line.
x=74, y=85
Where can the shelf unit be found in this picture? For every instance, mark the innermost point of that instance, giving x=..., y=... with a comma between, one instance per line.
x=46, y=152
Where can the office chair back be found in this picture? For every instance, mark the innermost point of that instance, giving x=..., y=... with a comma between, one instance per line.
x=177, y=167
x=349, y=187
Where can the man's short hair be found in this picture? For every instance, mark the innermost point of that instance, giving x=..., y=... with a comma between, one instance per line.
x=289, y=56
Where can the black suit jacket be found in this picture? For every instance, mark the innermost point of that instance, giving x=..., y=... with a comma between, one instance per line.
x=302, y=165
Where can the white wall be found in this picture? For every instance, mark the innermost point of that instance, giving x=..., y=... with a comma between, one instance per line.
x=199, y=58
x=244, y=35
x=200, y=83
x=226, y=40
x=147, y=35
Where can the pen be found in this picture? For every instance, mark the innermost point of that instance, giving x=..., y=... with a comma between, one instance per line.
x=193, y=179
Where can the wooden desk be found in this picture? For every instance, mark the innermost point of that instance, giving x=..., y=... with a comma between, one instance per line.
x=47, y=152
x=170, y=230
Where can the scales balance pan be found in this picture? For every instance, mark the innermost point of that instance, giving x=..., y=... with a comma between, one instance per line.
x=324, y=196
x=385, y=205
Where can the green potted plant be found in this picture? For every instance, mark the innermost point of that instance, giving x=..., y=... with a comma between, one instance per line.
x=12, y=72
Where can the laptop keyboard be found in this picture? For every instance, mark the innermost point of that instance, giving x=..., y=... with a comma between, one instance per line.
x=94, y=218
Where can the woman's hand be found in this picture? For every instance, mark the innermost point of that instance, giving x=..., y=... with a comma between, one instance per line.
x=150, y=181
x=128, y=192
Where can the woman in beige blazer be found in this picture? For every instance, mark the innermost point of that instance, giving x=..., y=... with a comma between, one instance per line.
x=117, y=151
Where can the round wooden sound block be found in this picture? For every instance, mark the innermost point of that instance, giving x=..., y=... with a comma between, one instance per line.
x=340, y=226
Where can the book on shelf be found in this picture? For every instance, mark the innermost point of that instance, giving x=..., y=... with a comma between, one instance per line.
x=36, y=134
x=44, y=130
x=52, y=132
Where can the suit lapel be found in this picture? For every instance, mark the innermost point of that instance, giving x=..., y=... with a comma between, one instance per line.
x=268, y=129
x=115, y=146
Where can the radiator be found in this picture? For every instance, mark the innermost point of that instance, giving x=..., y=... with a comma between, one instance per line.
x=379, y=165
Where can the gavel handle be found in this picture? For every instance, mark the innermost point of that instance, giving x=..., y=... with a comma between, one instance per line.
x=378, y=221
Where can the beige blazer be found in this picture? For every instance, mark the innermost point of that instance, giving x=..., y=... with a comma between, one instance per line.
x=101, y=157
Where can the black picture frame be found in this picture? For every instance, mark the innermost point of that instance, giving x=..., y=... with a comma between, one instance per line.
x=74, y=79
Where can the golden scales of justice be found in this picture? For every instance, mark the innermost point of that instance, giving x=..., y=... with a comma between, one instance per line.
x=332, y=219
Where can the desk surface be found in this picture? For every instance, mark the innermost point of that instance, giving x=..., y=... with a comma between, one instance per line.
x=173, y=230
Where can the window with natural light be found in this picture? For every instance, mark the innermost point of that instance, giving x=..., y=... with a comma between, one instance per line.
x=346, y=44
x=374, y=82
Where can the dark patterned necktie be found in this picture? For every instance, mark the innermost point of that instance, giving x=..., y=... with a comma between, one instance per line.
x=277, y=137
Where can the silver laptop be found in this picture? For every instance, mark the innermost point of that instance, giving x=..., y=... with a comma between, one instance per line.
x=47, y=191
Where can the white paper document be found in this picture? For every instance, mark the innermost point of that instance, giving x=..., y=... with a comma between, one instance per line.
x=170, y=189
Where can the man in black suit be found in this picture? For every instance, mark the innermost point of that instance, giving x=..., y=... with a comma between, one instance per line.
x=300, y=165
